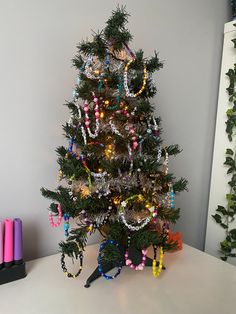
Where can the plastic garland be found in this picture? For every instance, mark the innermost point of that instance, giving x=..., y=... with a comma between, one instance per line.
x=128, y=261
x=144, y=222
x=156, y=271
x=128, y=93
x=102, y=247
x=55, y=225
x=63, y=266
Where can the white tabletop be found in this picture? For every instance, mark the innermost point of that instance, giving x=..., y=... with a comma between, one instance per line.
x=194, y=282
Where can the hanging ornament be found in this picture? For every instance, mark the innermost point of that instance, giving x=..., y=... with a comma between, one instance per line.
x=128, y=93
x=63, y=266
x=66, y=224
x=97, y=116
x=102, y=273
x=156, y=271
x=57, y=224
x=128, y=262
x=141, y=224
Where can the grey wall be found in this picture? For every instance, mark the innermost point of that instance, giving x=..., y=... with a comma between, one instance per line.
x=37, y=42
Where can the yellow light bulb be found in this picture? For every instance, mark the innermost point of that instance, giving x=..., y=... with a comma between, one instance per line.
x=106, y=102
x=102, y=115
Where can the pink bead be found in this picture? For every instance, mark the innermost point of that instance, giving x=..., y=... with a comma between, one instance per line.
x=97, y=114
x=131, y=131
x=144, y=258
x=87, y=123
x=95, y=99
x=132, y=266
x=143, y=264
x=144, y=251
x=86, y=109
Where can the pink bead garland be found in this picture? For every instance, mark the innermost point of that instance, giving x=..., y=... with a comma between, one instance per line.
x=129, y=263
x=55, y=225
x=97, y=117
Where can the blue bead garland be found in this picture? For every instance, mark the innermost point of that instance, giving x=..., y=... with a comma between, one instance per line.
x=102, y=247
x=172, y=198
x=66, y=224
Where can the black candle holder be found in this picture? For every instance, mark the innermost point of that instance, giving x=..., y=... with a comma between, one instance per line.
x=13, y=272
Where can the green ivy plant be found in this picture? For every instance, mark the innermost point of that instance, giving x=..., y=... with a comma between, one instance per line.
x=226, y=215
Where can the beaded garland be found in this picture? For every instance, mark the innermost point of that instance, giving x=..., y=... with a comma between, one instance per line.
x=102, y=247
x=156, y=271
x=128, y=261
x=97, y=117
x=66, y=224
x=145, y=76
x=55, y=225
x=144, y=222
x=63, y=266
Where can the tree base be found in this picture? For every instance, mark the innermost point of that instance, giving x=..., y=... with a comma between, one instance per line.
x=134, y=254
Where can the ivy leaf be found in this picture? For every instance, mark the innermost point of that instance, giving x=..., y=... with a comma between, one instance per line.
x=234, y=42
x=229, y=151
x=217, y=218
x=222, y=210
x=233, y=234
x=230, y=170
x=224, y=225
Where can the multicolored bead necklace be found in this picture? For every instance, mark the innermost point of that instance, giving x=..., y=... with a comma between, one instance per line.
x=63, y=266
x=128, y=261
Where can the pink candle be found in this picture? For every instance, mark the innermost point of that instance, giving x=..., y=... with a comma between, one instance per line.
x=1, y=244
x=8, y=242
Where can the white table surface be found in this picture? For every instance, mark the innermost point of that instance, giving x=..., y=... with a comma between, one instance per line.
x=194, y=282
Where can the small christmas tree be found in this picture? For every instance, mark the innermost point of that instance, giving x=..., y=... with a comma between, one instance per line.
x=116, y=165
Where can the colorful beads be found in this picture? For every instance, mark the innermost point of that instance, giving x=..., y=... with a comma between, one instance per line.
x=144, y=221
x=102, y=247
x=128, y=93
x=55, y=225
x=97, y=117
x=156, y=271
x=128, y=261
x=66, y=224
x=63, y=266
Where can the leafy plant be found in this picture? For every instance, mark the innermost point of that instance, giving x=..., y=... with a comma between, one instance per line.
x=226, y=215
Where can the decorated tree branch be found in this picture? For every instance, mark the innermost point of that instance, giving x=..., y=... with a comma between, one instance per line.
x=114, y=173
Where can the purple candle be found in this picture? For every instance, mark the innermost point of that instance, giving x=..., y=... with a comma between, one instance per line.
x=1, y=244
x=18, y=241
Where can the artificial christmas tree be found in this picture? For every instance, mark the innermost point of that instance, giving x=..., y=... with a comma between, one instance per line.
x=116, y=165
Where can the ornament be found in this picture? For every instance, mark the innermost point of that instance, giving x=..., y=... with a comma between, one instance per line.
x=63, y=266
x=142, y=223
x=55, y=225
x=128, y=93
x=66, y=224
x=102, y=247
x=156, y=271
x=128, y=262
x=87, y=120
